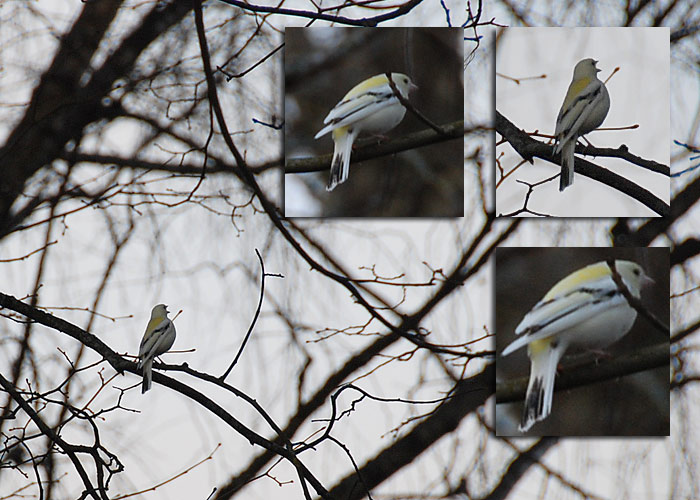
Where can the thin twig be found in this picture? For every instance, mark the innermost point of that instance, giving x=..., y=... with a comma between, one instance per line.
x=412, y=109
x=634, y=301
x=255, y=317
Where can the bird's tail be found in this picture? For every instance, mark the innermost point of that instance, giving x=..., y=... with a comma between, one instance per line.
x=146, y=384
x=540, y=388
x=566, y=178
x=340, y=166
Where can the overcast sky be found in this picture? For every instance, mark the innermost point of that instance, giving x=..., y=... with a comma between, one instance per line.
x=639, y=95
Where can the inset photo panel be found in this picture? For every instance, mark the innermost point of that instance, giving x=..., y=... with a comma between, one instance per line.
x=582, y=342
x=374, y=122
x=583, y=122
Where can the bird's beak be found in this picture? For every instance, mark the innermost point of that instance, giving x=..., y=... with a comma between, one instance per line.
x=646, y=281
x=412, y=87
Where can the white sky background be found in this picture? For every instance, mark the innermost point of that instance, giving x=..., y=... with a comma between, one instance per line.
x=181, y=266
x=638, y=95
x=182, y=272
x=199, y=264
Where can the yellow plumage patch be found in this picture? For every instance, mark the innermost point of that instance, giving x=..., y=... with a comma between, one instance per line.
x=538, y=346
x=575, y=89
x=153, y=323
x=588, y=273
x=370, y=83
x=339, y=132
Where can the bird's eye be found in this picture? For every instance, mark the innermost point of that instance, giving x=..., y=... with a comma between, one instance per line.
x=636, y=271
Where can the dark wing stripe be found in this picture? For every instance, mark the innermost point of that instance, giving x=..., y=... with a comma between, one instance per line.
x=590, y=97
x=380, y=97
x=598, y=295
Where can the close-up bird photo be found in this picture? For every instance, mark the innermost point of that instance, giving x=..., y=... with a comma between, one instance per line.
x=584, y=131
x=374, y=122
x=254, y=250
x=582, y=313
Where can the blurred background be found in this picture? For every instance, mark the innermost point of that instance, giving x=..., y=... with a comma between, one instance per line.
x=321, y=66
x=636, y=405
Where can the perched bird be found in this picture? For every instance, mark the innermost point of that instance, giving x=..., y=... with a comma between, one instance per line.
x=159, y=337
x=370, y=107
x=587, y=311
x=585, y=107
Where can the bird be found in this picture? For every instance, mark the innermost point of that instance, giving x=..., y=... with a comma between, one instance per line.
x=158, y=339
x=370, y=107
x=585, y=107
x=585, y=310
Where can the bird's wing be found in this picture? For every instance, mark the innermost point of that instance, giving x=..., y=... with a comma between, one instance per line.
x=157, y=326
x=561, y=313
x=356, y=108
x=577, y=108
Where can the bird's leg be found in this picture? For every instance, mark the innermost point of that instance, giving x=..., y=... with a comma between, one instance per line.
x=588, y=143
